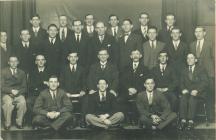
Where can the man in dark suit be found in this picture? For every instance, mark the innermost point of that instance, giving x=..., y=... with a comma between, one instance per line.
x=89, y=29
x=152, y=48
x=103, y=40
x=102, y=108
x=114, y=30
x=51, y=49
x=153, y=107
x=103, y=69
x=38, y=34
x=143, y=29
x=52, y=107
x=13, y=90
x=166, y=79
x=5, y=49
x=193, y=87
x=127, y=43
x=177, y=50
x=25, y=52
x=204, y=51
x=164, y=33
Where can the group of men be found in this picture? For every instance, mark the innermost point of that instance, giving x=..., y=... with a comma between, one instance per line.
x=108, y=70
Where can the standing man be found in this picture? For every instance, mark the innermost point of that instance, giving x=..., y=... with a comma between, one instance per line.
x=152, y=48
x=143, y=29
x=52, y=107
x=89, y=29
x=13, y=89
x=153, y=107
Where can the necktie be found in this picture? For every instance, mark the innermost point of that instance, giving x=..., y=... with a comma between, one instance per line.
x=35, y=32
x=73, y=68
x=152, y=45
x=190, y=74
x=135, y=67
x=25, y=45
x=103, y=97
x=126, y=37
x=103, y=67
x=63, y=35
x=77, y=38
x=52, y=41
x=101, y=38
x=13, y=71
x=198, y=49
x=114, y=32
x=175, y=45
x=162, y=70
x=150, y=98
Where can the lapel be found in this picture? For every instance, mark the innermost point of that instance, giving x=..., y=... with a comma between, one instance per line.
x=204, y=47
x=129, y=38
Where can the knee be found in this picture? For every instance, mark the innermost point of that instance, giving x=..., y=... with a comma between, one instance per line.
x=88, y=117
x=67, y=115
x=120, y=115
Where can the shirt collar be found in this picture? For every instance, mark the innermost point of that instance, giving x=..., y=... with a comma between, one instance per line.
x=3, y=44
x=41, y=69
x=36, y=29
x=50, y=39
x=24, y=43
x=75, y=66
x=103, y=63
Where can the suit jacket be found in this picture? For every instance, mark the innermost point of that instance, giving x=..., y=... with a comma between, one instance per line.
x=9, y=81
x=110, y=73
x=45, y=103
x=150, y=56
x=68, y=36
x=26, y=56
x=159, y=106
x=164, y=35
x=36, y=80
x=98, y=107
x=89, y=34
x=73, y=82
x=5, y=56
x=139, y=32
x=108, y=43
x=177, y=58
x=199, y=81
x=167, y=79
x=133, y=79
x=206, y=59
x=134, y=41
x=53, y=55
x=119, y=34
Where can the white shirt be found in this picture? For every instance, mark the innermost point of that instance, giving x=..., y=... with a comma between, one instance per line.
x=169, y=28
x=135, y=65
x=53, y=93
x=154, y=42
x=71, y=67
x=176, y=43
x=35, y=29
x=103, y=64
x=25, y=43
x=163, y=66
x=41, y=69
x=65, y=31
x=54, y=39
x=192, y=67
x=102, y=94
x=76, y=35
x=90, y=29
x=4, y=46
x=149, y=95
x=144, y=29
x=101, y=38
x=126, y=36
x=201, y=44
x=13, y=71
x=114, y=29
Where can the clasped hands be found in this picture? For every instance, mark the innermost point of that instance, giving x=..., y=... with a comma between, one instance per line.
x=156, y=119
x=193, y=92
x=104, y=117
x=53, y=114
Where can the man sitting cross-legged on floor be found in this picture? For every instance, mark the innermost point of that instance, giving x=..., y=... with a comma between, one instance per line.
x=103, y=108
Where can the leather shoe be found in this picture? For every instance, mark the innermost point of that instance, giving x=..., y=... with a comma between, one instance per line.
x=7, y=127
x=190, y=126
x=182, y=125
x=19, y=126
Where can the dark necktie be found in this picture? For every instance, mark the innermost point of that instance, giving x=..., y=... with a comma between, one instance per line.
x=162, y=70
x=77, y=38
x=101, y=38
x=175, y=45
x=103, y=97
x=190, y=74
x=35, y=33
x=150, y=98
x=63, y=35
x=52, y=41
x=135, y=67
x=115, y=32
x=73, y=68
x=103, y=67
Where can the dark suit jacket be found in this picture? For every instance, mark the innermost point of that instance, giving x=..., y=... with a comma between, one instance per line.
x=89, y=34
x=108, y=43
x=110, y=73
x=164, y=35
x=199, y=81
x=45, y=103
x=206, y=59
x=73, y=82
x=9, y=81
x=68, y=37
x=119, y=34
x=150, y=56
x=139, y=32
x=97, y=107
x=160, y=105
x=134, y=41
x=167, y=80
x=131, y=79
x=5, y=56
x=36, y=80
x=177, y=58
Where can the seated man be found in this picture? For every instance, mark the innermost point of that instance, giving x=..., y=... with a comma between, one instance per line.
x=153, y=107
x=72, y=80
x=165, y=79
x=102, y=111
x=193, y=85
x=52, y=107
x=13, y=88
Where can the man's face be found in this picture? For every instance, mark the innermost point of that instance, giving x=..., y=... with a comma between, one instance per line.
x=144, y=19
x=25, y=36
x=73, y=58
x=191, y=60
x=13, y=62
x=170, y=20
x=103, y=55
x=135, y=56
x=175, y=34
x=200, y=33
x=152, y=34
x=53, y=84
x=63, y=21
x=127, y=27
x=35, y=22
x=113, y=21
x=149, y=85
x=102, y=85
x=40, y=61
x=3, y=37
x=52, y=31
x=89, y=20
x=77, y=26
x=100, y=28
x=163, y=58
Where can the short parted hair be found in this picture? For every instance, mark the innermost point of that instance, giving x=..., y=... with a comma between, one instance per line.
x=52, y=25
x=13, y=56
x=62, y=15
x=103, y=49
x=176, y=28
x=192, y=54
x=89, y=15
x=3, y=31
x=199, y=26
x=170, y=14
x=113, y=15
x=153, y=27
x=127, y=19
x=35, y=15
x=70, y=52
x=102, y=78
x=23, y=30
x=149, y=76
x=133, y=50
x=54, y=76
x=144, y=13
x=75, y=20
x=163, y=51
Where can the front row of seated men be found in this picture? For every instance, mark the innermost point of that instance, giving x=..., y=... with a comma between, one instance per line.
x=53, y=108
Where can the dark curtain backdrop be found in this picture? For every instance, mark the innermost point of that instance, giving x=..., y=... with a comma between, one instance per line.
x=14, y=16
